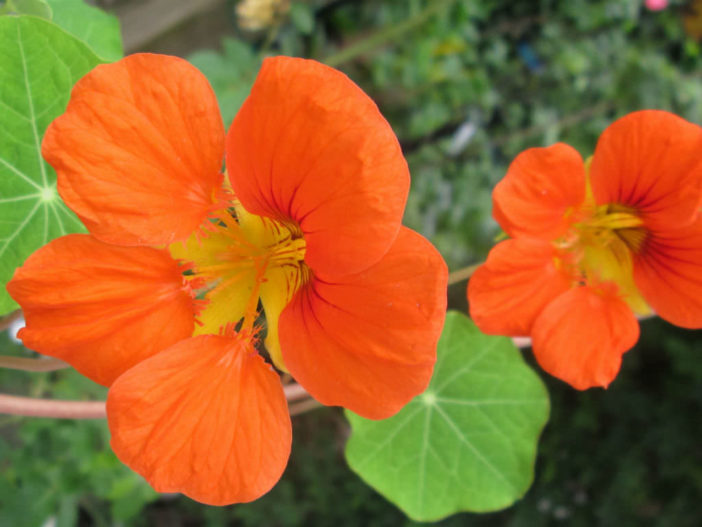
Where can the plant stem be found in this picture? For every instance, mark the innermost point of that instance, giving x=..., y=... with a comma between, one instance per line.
x=33, y=407
x=386, y=34
x=304, y=406
x=29, y=406
x=27, y=364
x=462, y=274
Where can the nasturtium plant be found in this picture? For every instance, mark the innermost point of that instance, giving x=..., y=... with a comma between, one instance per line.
x=469, y=442
x=41, y=63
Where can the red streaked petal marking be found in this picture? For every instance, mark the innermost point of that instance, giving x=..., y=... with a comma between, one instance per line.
x=668, y=272
x=650, y=161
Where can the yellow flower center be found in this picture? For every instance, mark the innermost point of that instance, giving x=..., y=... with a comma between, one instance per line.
x=243, y=258
x=601, y=247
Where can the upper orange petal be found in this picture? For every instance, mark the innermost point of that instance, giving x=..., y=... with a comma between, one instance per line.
x=139, y=150
x=207, y=417
x=368, y=341
x=101, y=308
x=668, y=272
x=309, y=146
x=541, y=187
x=650, y=161
x=580, y=336
x=519, y=278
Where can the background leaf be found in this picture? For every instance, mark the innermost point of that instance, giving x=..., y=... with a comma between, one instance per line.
x=97, y=29
x=40, y=63
x=231, y=74
x=27, y=7
x=469, y=442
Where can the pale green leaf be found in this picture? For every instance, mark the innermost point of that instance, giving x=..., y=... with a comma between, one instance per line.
x=99, y=30
x=39, y=64
x=469, y=442
x=27, y=7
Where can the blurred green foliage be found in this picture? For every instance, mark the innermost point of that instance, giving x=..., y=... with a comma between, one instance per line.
x=466, y=89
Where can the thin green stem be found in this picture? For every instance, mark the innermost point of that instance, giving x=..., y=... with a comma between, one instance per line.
x=462, y=274
x=386, y=34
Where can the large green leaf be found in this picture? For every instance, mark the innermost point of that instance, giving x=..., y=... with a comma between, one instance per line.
x=97, y=29
x=39, y=64
x=469, y=442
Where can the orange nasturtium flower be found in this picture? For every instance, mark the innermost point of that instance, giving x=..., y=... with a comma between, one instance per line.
x=592, y=243
x=160, y=300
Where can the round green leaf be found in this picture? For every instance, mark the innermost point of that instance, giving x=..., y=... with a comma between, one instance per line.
x=39, y=64
x=95, y=28
x=469, y=442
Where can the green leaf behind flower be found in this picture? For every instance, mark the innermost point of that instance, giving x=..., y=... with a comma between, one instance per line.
x=97, y=29
x=39, y=64
x=469, y=442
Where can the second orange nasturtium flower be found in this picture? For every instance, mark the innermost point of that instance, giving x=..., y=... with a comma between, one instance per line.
x=159, y=301
x=592, y=243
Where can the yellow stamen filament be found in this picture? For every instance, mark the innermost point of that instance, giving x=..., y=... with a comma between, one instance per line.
x=240, y=260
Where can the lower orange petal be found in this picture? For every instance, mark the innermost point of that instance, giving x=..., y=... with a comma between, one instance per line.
x=581, y=336
x=206, y=417
x=100, y=307
x=508, y=292
x=368, y=341
x=668, y=272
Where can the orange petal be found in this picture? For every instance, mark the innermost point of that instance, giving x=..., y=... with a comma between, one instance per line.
x=139, y=150
x=650, y=161
x=581, y=336
x=207, y=417
x=101, y=308
x=368, y=341
x=309, y=146
x=519, y=278
x=541, y=189
x=668, y=272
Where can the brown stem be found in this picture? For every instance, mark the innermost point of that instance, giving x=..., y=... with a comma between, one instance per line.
x=294, y=392
x=29, y=406
x=304, y=406
x=33, y=407
x=27, y=364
